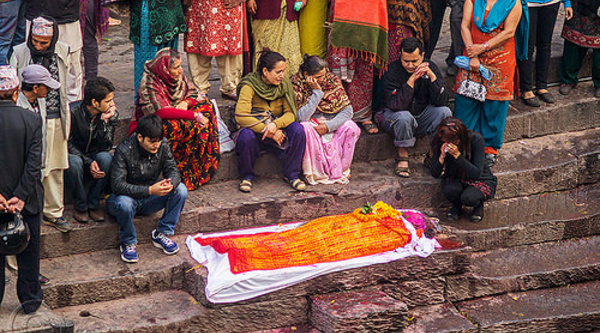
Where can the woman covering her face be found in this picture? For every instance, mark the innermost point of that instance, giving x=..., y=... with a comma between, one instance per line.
x=189, y=122
x=459, y=159
x=326, y=114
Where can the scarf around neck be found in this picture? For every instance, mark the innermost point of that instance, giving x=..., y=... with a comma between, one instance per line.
x=45, y=57
x=270, y=92
x=334, y=99
x=497, y=15
x=158, y=85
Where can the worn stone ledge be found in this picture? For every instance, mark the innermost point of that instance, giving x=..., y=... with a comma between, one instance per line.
x=573, y=308
x=441, y=318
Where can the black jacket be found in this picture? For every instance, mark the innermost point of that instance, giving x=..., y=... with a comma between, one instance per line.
x=134, y=170
x=21, y=156
x=399, y=96
x=89, y=136
x=475, y=168
x=63, y=11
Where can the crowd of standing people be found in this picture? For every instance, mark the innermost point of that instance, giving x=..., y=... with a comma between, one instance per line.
x=305, y=75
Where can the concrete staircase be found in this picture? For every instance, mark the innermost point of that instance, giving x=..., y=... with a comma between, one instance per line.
x=532, y=265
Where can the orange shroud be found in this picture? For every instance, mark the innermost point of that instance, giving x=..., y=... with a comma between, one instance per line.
x=326, y=239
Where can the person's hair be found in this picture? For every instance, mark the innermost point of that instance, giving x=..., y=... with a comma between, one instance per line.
x=311, y=65
x=452, y=129
x=7, y=95
x=268, y=59
x=410, y=44
x=150, y=126
x=97, y=89
x=28, y=86
x=174, y=56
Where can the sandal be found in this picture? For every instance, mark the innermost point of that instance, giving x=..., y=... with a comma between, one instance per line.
x=403, y=172
x=370, y=127
x=246, y=186
x=296, y=184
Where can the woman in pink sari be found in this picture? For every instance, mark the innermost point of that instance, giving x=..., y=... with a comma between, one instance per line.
x=326, y=114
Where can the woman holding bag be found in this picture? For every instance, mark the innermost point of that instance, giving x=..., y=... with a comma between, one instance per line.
x=495, y=35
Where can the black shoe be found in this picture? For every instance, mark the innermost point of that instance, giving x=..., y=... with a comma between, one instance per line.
x=454, y=213
x=533, y=102
x=547, y=97
x=59, y=223
x=477, y=214
x=490, y=159
x=565, y=88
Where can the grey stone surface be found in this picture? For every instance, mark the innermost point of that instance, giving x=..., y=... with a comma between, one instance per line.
x=441, y=318
x=529, y=267
x=573, y=308
x=360, y=311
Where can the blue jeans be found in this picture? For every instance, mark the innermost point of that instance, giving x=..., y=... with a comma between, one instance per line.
x=404, y=125
x=124, y=208
x=75, y=180
x=12, y=27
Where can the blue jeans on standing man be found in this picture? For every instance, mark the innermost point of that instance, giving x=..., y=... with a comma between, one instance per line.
x=75, y=176
x=12, y=27
x=124, y=208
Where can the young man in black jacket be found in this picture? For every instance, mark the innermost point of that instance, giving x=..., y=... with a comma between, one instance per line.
x=93, y=122
x=138, y=187
x=415, y=100
x=21, y=184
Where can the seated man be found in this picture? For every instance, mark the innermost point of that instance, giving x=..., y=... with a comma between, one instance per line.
x=415, y=100
x=135, y=178
x=93, y=122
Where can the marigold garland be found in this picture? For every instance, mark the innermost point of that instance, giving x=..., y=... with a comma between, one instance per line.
x=380, y=211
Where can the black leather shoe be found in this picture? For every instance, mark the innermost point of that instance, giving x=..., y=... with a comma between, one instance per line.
x=547, y=97
x=454, y=213
x=477, y=214
x=534, y=102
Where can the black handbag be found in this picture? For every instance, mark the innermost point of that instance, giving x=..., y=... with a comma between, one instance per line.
x=14, y=234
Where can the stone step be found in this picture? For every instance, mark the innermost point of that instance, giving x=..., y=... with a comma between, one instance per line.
x=551, y=216
x=358, y=311
x=177, y=311
x=413, y=280
x=102, y=276
x=573, y=308
x=304, y=328
x=570, y=113
x=528, y=267
x=440, y=318
x=523, y=169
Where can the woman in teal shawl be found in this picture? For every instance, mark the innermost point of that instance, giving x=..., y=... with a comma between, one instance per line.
x=495, y=33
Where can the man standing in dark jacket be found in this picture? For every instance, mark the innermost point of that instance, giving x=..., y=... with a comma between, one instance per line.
x=415, y=100
x=93, y=122
x=21, y=184
x=135, y=178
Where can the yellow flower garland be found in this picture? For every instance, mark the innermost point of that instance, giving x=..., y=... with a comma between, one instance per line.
x=381, y=210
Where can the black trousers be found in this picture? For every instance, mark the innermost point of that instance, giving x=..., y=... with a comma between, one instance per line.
x=438, y=8
x=541, y=26
x=90, y=44
x=459, y=194
x=29, y=289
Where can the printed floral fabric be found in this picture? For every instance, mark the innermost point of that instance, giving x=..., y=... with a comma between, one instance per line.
x=582, y=30
x=213, y=30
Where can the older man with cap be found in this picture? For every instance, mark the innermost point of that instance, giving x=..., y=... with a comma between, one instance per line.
x=20, y=184
x=43, y=48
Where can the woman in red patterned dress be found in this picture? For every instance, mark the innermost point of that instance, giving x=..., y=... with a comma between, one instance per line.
x=189, y=121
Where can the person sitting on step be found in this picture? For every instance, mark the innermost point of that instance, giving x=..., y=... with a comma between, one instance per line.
x=93, y=122
x=458, y=157
x=415, y=100
x=266, y=111
x=135, y=179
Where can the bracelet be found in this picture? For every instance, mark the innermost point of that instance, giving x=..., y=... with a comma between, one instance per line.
x=486, y=46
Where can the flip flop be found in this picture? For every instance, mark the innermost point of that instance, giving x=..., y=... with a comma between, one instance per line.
x=246, y=186
x=370, y=126
x=296, y=184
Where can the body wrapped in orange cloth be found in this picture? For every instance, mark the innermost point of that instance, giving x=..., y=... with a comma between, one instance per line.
x=326, y=239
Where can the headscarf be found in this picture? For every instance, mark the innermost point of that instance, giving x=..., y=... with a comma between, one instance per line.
x=412, y=13
x=269, y=92
x=158, y=88
x=44, y=57
x=497, y=15
x=334, y=99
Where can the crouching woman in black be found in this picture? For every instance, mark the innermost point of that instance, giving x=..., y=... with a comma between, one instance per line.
x=459, y=159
